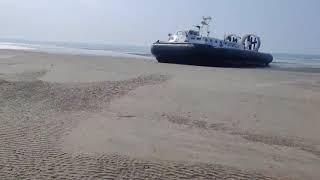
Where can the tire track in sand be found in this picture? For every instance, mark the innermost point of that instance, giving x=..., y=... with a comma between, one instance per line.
x=298, y=143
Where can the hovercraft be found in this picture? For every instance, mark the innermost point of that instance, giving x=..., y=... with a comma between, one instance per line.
x=195, y=47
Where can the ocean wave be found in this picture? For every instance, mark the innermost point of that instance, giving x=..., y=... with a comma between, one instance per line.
x=13, y=46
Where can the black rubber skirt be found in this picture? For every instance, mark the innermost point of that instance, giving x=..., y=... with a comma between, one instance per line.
x=205, y=55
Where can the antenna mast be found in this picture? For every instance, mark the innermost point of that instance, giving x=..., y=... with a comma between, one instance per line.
x=205, y=25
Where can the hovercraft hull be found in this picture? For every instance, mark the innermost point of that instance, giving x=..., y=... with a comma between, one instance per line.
x=206, y=55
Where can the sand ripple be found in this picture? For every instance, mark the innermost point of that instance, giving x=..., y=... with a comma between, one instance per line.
x=35, y=115
x=291, y=142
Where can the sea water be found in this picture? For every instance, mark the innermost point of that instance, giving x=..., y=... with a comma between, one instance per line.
x=78, y=48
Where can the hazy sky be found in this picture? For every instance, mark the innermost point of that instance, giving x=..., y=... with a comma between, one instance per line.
x=284, y=25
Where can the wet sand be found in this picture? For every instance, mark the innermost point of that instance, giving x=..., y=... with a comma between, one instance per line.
x=95, y=117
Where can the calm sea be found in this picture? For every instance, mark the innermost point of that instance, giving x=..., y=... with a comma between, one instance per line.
x=281, y=60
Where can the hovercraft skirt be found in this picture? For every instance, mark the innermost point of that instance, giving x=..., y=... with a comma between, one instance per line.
x=206, y=55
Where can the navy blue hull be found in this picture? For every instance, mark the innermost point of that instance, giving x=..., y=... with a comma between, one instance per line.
x=205, y=55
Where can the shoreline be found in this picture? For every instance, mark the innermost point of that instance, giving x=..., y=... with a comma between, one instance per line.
x=274, y=66
x=51, y=49
x=284, y=61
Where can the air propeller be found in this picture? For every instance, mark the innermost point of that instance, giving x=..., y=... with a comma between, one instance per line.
x=251, y=42
x=232, y=38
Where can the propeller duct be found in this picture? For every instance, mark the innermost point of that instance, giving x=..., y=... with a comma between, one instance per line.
x=251, y=42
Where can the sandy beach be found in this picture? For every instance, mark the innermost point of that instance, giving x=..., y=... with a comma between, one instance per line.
x=99, y=117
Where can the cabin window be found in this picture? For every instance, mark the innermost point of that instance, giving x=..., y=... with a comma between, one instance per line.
x=198, y=38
